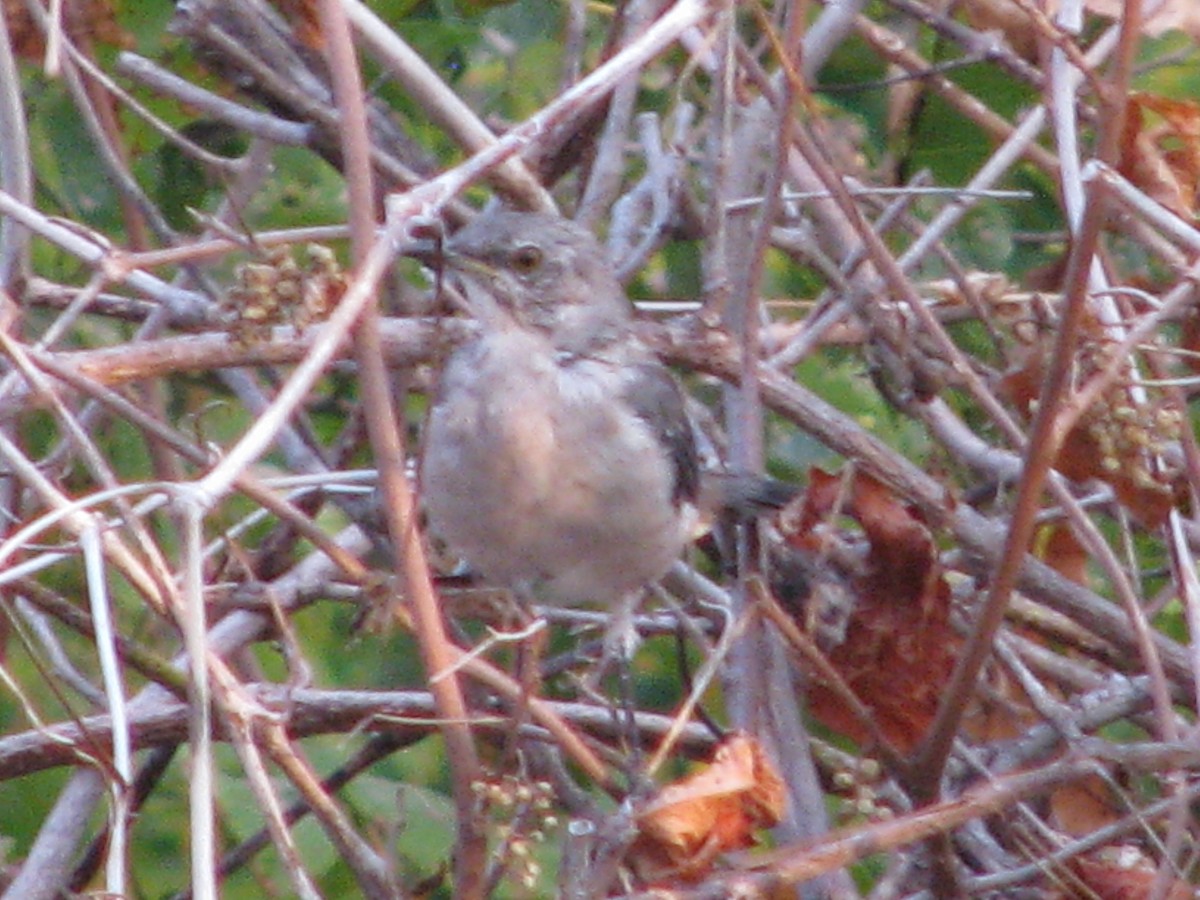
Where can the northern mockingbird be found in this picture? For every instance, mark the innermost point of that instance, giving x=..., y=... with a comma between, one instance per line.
x=558, y=459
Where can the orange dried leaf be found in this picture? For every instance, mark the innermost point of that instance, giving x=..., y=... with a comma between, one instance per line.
x=690, y=822
x=305, y=20
x=1084, y=806
x=1058, y=547
x=1163, y=157
x=1121, y=872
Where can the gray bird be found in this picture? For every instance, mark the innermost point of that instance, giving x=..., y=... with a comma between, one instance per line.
x=558, y=459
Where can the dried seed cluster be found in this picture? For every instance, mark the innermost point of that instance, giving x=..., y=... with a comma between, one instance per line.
x=857, y=789
x=1140, y=441
x=522, y=812
x=278, y=291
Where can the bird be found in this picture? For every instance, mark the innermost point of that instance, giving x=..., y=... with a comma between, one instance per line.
x=558, y=458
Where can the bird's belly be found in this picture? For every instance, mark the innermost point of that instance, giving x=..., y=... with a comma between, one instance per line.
x=541, y=483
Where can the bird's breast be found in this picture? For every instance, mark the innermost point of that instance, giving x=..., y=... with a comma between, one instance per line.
x=537, y=473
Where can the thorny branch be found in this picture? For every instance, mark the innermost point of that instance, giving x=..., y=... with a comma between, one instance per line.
x=987, y=594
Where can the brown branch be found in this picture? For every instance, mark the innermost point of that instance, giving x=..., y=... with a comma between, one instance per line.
x=405, y=716
x=400, y=508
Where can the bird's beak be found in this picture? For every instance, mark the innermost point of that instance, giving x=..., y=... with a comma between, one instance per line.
x=440, y=256
x=428, y=251
x=457, y=276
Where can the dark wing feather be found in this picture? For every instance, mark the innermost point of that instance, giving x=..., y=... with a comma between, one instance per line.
x=658, y=401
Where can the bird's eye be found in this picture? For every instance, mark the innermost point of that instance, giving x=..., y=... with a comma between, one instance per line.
x=526, y=259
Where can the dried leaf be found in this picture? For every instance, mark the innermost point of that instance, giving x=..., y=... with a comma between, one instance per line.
x=999, y=710
x=305, y=20
x=1163, y=158
x=1084, y=806
x=82, y=19
x=899, y=649
x=714, y=810
x=1128, y=444
x=1120, y=872
x=1009, y=19
x=1058, y=547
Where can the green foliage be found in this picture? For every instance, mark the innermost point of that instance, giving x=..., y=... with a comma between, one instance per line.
x=183, y=185
x=304, y=191
x=70, y=177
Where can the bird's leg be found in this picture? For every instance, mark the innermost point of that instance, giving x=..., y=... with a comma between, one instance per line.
x=621, y=640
